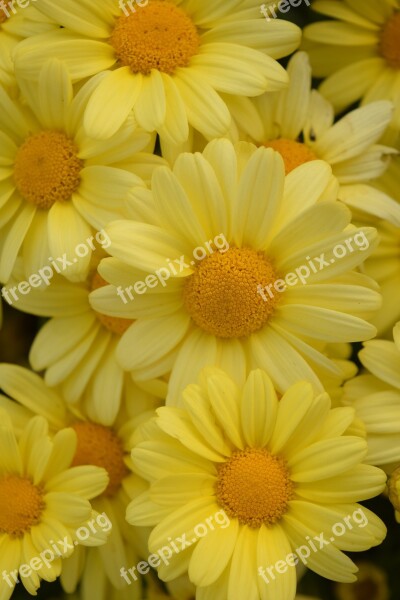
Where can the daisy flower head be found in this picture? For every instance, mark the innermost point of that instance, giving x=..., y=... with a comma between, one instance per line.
x=166, y=59
x=226, y=227
x=304, y=130
x=375, y=396
x=358, y=51
x=279, y=471
x=44, y=500
x=96, y=445
x=57, y=184
x=77, y=347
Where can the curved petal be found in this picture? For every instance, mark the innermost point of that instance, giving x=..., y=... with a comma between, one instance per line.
x=111, y=102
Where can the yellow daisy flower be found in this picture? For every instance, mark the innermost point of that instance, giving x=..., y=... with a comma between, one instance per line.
x=358, y=52
x=305, y=131
x=99, y=445
x=43, y=503
x=281, y=472
x=168, y=59
x=77, y=347
x=226, y=228
x=375, y=396
x=56, y=183
x=372, y=207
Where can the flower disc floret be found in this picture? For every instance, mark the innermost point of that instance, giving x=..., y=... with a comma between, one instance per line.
x=158, y=36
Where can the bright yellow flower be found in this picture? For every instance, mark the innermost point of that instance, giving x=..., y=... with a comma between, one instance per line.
x=304, y=130
x=43, y=501
x=359, y=51
x=77, y=347
x=282, y=472
x=56, y=183
x=169, y=60
x=216, y=306
x=99, y=445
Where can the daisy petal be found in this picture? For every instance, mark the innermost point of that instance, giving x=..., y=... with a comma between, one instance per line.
x=119, y=89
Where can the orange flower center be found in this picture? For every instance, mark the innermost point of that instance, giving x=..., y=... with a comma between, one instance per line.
x=222, y=295
x=390, y=41
x=114, y=324
x=47, y=168
x=254, y=486
x=100, y=446
x=158, y=36
x=293, y=153
x=21, y=505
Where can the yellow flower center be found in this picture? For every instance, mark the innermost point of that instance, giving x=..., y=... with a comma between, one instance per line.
x=21, y=505
x=158, y=36
x=222, y=295
x=254, y=486
x=100, y=446
x=114, y=324
x=47, y=168
x=390, y=41
x=293, y=153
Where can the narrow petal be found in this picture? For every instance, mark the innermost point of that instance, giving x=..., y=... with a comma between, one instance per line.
x=273, y=546
x=147, y=340
x=150, y=107
x=199, y=96
x=327, y=458
x=83, y=57
x=212, y=554
x=175, y=128
x=111, y=102
x=362, y=75
x=259, y=408
x=243, y=578
x=258, y=199
x=67, y=230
